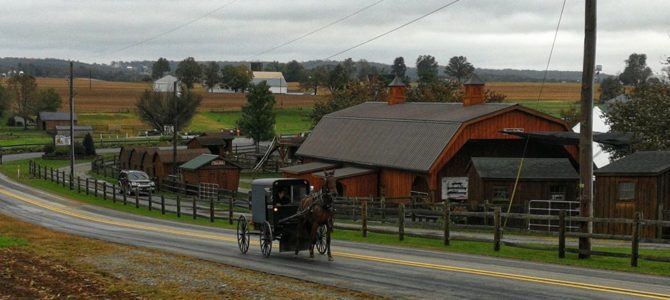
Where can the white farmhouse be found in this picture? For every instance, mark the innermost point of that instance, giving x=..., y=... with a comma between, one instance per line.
x=275, y=80
x=166, y=84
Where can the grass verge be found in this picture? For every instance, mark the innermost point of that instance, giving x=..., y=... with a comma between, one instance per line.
x=465, y=247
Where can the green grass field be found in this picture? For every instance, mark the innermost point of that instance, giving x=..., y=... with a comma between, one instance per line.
x=548, y=107
x=6, y=242
x=467, y=247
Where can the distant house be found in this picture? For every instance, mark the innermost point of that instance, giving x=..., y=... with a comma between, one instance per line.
x=165, y=84
x=639, y=182
x=162, y=160
x=209, y=168
x=48, y=120
x=275, y=80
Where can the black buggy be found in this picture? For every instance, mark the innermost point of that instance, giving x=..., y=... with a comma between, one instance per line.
x=275, y=216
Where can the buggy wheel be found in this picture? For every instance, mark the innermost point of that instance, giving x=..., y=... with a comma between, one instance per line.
x=243, y=234
x=266, y=239
x=321, y=239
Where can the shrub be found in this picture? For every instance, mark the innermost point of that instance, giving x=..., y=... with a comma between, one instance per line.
x=49, y=148
x=89, y=145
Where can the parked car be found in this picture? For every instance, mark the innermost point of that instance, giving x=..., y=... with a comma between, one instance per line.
x=133, y=180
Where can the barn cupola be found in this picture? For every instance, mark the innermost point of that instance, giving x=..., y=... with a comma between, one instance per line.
x=396, y=91
x=474, y=91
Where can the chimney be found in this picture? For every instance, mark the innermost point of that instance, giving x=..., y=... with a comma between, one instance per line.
x=474, y=91
x=396, y=91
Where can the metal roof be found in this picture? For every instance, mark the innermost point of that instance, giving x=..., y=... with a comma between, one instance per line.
x=346, y=172
x=396, y=82
x=407, y=136
x=533, y=168
x=308, y=168
x=183, y=155
x=200, y=161
x=638, y=163
x=55, y=116
x=474, y=79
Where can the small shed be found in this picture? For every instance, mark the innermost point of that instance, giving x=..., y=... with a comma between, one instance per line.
x=162, y=160
x=639, y=182
x=209, y=168
x=48, y=120
x=546, y=179
x=305, y=171
x=218, y=143
x=351, y=181
x=165, y=84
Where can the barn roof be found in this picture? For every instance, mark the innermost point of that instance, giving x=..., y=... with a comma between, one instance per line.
x=408, y=136
x=533, y=168
x=346, y=172
x=202, y=160
x=308, y=168
x=638, y=163
x=55, y=116
x=184, y=155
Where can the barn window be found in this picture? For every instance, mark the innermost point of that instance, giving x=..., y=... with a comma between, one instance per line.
x=626, y=190
x=500, y=193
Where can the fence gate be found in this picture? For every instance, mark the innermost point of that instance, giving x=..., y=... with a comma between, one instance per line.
x=552, y=208
x=208, y=191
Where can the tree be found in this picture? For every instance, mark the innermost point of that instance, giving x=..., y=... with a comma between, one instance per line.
x=236, y=78
x=459, y=68
x=365, y=70
x=188, y=71
x=491, y=96
x=210, y=75
x=275, y=66
x=349, y=67
x=645, y=116
x=315, y=78
x=426, y=68
x=24, y=88
x=46, y=100
x=4, y=100
x=165, y=109
x=399, y=69
x=295, y=72
x=435, y=91
x=160, y=67
x=572, y=115
x=354, y=94
x=258, y=119
x=89, y=146
x=338, y=78
x=636, y=71
x=610, y=87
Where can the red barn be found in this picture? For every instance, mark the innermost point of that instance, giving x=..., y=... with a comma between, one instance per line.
x=414, y=146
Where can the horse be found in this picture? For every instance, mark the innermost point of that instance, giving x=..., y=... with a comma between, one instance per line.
x=318, y=209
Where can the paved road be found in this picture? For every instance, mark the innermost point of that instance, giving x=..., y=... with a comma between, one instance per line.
x=390, y=271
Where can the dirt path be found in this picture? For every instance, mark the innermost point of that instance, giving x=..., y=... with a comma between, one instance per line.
x=55, y=265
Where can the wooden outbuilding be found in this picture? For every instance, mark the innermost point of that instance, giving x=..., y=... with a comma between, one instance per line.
x=413, y=146
x=351, y=181
x=209, y=168
x=305, y=171
x=162, y=160
x=492, y=179
x=148, y=161
x=48, y=120
x=124, y=156
x=218, y=143
x=639, y=182
x=136, y=157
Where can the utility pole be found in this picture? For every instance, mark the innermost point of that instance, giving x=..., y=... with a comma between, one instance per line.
x=71, y=125
x=174, y=130
x=586, y=128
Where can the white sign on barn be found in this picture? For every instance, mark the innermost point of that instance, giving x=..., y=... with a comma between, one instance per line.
x=455, y=188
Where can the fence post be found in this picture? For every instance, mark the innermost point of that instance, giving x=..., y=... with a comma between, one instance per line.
x=364, y=218
x=45, y=172
x=125, y=196
x=95, y=183
x=51, y=173
x=497, y=232
x=195, y=213
x=78, y=185
x=87, y=186
x=211, y=209
x=636, y=240
x=659, y=227
x=231, y=205
x=150, y=200
x=137, y=197
x=178, y=207
x=113, y=193
x=57, y=177
x=401, y=222
x=162, y=205
x=561, y=233
x=382, y=204
x=447, y=223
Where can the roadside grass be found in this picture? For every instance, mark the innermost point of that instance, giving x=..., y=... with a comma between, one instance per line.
x=6, y=242
x=457, y=246
x=11, y=136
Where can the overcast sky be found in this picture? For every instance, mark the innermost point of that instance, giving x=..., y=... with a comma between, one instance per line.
x=490, y=33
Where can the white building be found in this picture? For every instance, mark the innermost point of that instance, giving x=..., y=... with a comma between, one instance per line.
x=601, y=157
x=166, y=84
x=275, y=80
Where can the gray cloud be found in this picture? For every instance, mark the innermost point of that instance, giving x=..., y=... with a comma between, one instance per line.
x=491, y=33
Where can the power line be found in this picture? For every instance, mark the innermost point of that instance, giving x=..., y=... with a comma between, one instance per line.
x=314, y=31
x=394, y=29
x=160, y=34
x=551, y=52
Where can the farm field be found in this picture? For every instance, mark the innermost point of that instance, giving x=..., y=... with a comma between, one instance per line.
x=527, y=91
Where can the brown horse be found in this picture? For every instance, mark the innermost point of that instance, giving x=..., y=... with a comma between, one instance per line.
x=318, y=208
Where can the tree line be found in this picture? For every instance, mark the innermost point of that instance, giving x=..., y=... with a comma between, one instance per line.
x=21, y=96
